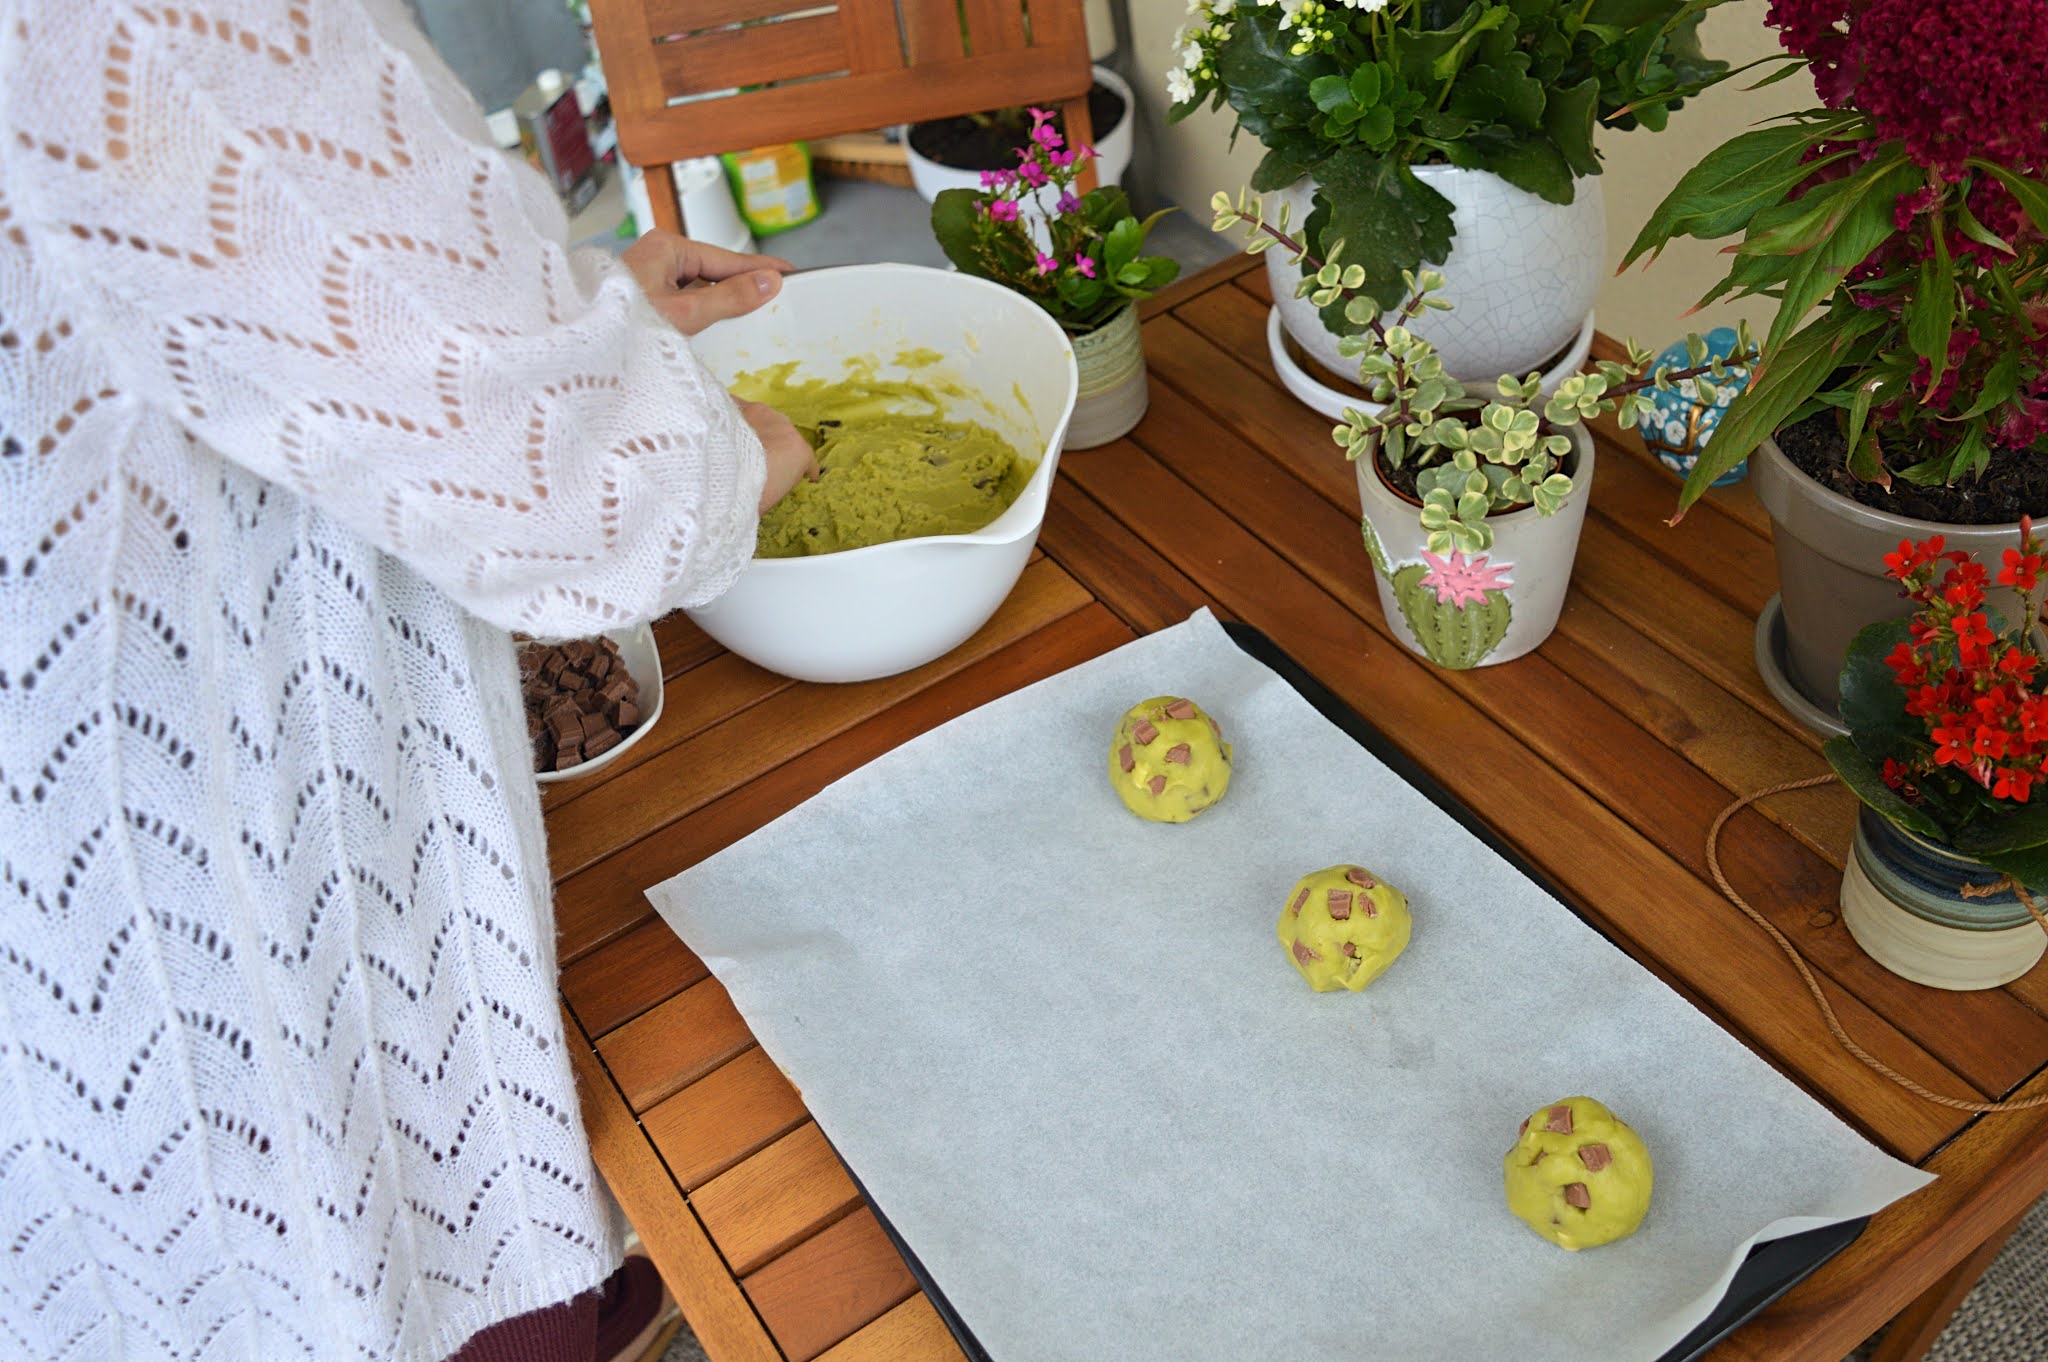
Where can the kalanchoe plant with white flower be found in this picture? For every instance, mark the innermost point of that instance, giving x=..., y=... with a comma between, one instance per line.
x=1354, y=93
x=1471, y=458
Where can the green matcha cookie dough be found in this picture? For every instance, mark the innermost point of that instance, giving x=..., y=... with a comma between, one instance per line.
x=1343, y=926
x=1578, y=1175
x=1168, y=760
x=890, y=465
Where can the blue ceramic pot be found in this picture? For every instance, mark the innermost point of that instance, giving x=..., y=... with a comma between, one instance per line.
x=1902, y=900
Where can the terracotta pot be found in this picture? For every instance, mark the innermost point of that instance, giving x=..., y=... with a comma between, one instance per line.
x=1494, y=607
x=1830, y=553
x=1114, y=388
x=1902, y=901
x=1520, y=278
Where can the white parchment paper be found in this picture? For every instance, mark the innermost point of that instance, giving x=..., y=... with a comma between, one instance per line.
x=1064, y=1051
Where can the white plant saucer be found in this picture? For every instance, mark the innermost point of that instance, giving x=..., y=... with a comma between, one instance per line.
x=1319, y=396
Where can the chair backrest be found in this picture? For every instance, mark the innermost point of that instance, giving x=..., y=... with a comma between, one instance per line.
x=694, y=77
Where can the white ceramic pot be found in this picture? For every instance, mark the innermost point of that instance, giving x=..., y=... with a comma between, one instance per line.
x=1114, y=388
x=1112, y=153
x=877, y=611
x=1520, y=279
x=1903, y=901
x=1464, y=612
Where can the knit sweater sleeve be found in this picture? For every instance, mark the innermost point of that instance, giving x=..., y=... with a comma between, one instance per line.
x=305, y=250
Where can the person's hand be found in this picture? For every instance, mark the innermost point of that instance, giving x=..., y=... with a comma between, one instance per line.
x=694, y=285
x=790, y=458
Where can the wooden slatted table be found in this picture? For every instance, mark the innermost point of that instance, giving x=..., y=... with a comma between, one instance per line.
x=1620, y=739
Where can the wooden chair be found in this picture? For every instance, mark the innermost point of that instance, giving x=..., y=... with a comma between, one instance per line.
x=695, y=77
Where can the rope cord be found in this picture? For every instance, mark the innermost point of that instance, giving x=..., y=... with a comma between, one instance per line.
x=1827, y=1010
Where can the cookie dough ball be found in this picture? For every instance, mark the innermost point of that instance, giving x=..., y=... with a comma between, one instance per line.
x=1168, y=760
x=1578, y=1176
x=1343, y=926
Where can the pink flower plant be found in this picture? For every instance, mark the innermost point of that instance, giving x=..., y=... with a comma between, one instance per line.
x=1028, y=228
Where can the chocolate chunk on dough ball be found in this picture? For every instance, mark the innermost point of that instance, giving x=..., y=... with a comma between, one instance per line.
x=1343, y=926
x=1168, y=760
x=1577, y=1175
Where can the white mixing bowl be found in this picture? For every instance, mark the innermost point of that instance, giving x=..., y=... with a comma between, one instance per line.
x=877, y=611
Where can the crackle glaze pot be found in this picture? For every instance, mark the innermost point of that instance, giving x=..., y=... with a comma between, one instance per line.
x=1461, y=611
x=1902, y=900
x=1520, y=278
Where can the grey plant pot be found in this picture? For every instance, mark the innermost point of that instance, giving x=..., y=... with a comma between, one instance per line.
x=1830, y=554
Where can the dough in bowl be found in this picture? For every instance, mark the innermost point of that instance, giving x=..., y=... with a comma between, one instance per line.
x=1168, y=760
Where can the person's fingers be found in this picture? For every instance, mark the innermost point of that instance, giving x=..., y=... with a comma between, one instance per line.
x=690, y=310
x=702, y=260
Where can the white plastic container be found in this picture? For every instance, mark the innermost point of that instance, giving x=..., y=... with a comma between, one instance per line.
x=1112, y=152
x=877, y=611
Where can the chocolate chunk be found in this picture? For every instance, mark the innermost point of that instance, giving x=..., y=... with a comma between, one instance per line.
x=1358, y=876
x=1595, y=1157
x=1351, y=949
x=1340, y=905
x=566, y=726
x=1525, y=1127
x=567, y=756
x=1541, y=1155
x=1144, y=731
x=601, y=742
x=1575, y=1194
x=1179, y=753
x=1125, y=758
x=628, y=715
x=1560, y=1121
x=1370, y=904
x=1299, y=899
x=1181, y=709
x=1157, y=785
x=1304, y=954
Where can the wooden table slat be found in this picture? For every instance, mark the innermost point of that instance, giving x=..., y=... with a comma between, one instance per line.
x=606, y=989
x=776, y=1199
x=740, y=1107
x=830, y=1286
x=682, y=644
x=593, y=907
x=662, y=1051
x=912, y=1332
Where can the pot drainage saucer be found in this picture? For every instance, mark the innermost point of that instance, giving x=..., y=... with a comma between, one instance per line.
x=1770, y=664
x=1318, y=396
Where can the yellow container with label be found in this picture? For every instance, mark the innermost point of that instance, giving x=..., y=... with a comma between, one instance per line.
x=773, y=186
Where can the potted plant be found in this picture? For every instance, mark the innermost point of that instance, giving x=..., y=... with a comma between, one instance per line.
x=1078, y=259
x=1472, y=507
x=1948, y=750
x=1404, y=128
x=1904, y=229
x=951, y=153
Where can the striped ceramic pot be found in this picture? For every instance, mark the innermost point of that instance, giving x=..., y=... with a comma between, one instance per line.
x=1902, y=900
x=1114, y=391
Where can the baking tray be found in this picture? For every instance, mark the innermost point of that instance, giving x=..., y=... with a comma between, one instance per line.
x=1771, y=1268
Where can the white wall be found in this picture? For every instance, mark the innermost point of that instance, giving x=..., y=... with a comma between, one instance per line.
x=1194, y=160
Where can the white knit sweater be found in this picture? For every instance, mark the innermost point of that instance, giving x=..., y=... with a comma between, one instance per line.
x=302, y=407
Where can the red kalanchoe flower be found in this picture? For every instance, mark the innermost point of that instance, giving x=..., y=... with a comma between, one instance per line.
x=1952, y=741
x=2022, y=571
x=2018, y=666
x=1963, y=585
x=1973, y=638
x=2014, y=783
x=1907, y=669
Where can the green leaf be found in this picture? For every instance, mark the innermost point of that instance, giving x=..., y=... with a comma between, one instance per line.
x=1865, y=223
x=1122, y=245
x=1365, y=84
x=2026, y=826
x=1332, y=93
x=1872, y=704
x=1276, y=170
x=1389, y=220
x=1785, y=379
x=1931, y=315
x=1998, y=385
x=1732, y=183
x=2029, y=866
x=955, y=218
x=1536, y=165
x=2031, y=194
x=1866, y=460
x=1865, y=780
x=1568, y=119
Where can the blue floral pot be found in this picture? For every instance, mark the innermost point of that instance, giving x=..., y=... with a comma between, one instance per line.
x=1902, y=900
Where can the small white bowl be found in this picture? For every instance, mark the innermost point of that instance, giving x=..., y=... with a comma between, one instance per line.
x=877, y=611
x=1321, y=397
x=643, y=664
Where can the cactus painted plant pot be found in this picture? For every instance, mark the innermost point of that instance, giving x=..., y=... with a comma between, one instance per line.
x=1461, y=611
